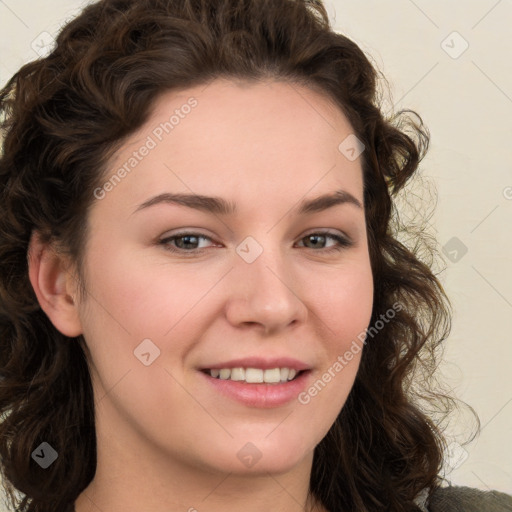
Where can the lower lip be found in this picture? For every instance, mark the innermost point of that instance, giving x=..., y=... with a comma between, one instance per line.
x=260, y=395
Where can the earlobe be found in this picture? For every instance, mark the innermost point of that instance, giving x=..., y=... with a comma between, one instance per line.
x=54, y=286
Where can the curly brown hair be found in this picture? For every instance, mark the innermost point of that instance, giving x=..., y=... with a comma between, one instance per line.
x=64, y=116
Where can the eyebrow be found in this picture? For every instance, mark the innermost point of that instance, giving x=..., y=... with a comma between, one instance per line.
x=220, y=206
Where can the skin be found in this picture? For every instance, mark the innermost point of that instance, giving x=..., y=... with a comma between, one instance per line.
x=167, y=441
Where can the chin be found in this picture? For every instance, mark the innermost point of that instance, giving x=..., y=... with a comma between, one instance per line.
x=261, y=456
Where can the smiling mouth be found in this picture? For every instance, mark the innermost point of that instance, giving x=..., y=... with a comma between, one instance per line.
x=255, y=375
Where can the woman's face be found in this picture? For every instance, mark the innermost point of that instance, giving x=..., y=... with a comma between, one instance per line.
x=247, y=284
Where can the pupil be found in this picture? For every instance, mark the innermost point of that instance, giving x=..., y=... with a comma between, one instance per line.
x=315, y=237
x=186, y=238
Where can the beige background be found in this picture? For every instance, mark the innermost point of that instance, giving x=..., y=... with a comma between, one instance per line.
x=451, y=62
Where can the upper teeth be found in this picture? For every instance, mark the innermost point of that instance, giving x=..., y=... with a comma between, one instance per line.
x=255, y=375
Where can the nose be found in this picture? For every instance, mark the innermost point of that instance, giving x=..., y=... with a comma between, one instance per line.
x=264, y=293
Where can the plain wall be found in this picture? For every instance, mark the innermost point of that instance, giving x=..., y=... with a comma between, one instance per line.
x=464, y=96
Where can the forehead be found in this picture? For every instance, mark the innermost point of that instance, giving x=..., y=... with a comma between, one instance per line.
x=238, y=140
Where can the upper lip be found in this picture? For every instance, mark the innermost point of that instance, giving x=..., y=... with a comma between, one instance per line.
x=261, y=362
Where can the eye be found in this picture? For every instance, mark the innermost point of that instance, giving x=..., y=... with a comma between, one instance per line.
x=319, y=238
x=185, y=242
x=189, y=243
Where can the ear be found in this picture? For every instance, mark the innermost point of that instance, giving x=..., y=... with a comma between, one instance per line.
x=54, y=285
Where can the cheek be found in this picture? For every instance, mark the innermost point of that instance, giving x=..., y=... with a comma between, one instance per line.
x=143, y=297
x=344, y=309
x=133, y=298
x=344, y=302
x=129, y=300
x=344, y=306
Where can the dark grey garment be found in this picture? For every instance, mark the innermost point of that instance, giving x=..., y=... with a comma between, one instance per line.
x=468, y=499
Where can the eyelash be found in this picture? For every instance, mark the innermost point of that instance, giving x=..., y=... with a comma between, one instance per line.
x=343, y=243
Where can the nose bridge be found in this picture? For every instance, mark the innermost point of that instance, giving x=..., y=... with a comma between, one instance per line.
x=264, y=290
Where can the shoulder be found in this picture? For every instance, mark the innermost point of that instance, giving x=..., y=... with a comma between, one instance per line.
x=468, y=499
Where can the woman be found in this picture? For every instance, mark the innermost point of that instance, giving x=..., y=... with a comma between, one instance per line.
x=275, y=365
